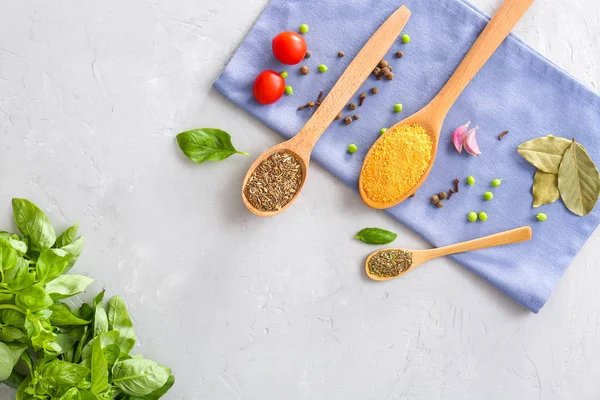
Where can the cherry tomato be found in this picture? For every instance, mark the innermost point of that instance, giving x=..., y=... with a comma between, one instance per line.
x=268, y=87
x=289, y=47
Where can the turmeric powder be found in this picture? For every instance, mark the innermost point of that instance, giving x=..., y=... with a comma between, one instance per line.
x=396, y=163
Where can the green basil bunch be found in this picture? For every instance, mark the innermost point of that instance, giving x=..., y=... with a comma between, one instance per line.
x=47, y=349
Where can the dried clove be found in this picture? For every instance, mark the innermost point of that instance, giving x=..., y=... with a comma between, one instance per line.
x=310, y=104
x=319, y=99
x=452, y=191
x=500, y=136
x=362, y=97
x=456, y=181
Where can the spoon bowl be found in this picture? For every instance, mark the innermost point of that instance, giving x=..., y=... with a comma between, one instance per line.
x=290, y=147
x=432, y=116
x=351, y=80
x=420, y=257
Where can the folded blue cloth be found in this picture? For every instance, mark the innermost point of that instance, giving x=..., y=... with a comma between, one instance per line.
x=518, y=90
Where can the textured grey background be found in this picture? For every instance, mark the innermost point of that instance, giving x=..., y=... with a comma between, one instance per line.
x=91, y=97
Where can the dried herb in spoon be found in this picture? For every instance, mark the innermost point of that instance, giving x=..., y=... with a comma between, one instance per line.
x=390, y=263
x=274, y=183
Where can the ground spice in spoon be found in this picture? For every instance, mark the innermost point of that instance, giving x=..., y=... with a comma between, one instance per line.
x=274, y=183
x=390, y=263
x=396, y=163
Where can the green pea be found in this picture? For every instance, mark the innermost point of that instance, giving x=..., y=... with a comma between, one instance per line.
x=284, y=74
x=303, y=28
x=289, y=90
x=322, y=68
x=472, y=216
x=471, y=180
x=382, y=131
x=352, y=148
x=488, y=196
x=405, y=38
x=483, y=216
x=398, y=108
x=541, y=217
x=496, y=182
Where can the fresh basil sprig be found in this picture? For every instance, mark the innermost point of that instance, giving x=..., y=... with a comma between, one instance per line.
x=207, y=144
x=47, y=349
x=375, y=236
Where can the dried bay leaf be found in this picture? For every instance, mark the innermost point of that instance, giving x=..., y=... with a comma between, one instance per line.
x=545, y=153
x=545, y=188
x=578, y=180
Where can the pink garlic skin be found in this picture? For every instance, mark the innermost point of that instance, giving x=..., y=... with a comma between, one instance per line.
x=470, y=142
x=458, y=136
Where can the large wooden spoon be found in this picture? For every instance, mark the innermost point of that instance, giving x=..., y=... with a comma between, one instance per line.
x=357, y=72
x=422, y=256
x=432, y=116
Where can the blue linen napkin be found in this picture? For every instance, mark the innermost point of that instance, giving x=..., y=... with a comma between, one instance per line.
x=518, y=90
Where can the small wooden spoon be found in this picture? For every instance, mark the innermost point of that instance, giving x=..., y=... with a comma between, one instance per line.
x=422, y=256
x=432, y=116
x=357, y=72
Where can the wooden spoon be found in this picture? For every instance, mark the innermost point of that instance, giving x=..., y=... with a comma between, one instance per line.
x=432, y=116
x=422, y=256
x=357, y=72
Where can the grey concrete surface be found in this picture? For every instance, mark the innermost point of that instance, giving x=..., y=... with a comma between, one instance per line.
x=91, y=97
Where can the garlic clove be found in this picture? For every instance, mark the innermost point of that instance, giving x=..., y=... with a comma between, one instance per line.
x=470, y=142
x=458, y=136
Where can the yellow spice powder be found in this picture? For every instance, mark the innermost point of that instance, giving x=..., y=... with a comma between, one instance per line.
x=396, y=163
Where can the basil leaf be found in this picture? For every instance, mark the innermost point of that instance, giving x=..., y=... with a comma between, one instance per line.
x=206, y=144
x=18, y=245
x=21, y=395
x=8, y=257
x=545, y=153
x=19, y=278
x=17, y=350
x=111, y=354
x=67, y=285
x=139, y=377
x=33, y=298
x=13, y=318
x=578, y=180
x=545, y=188
x=158, y=393
x=99, y=369
x=74, y=250
x=51, y=264
x=67, y=339
x=67, y=236
x=106, y=339
x=100, y=320
x=14, y=380
x=98, y=298
x=6, y=361
x=64, y=373
x=34, y=224
x=375, y=236
x=40, y=332
x=119, y=320
x=11, y=334
x=62, y=316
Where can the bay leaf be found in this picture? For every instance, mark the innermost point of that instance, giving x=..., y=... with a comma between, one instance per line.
x=578, y=180
x=545, y=188
x=545, y=153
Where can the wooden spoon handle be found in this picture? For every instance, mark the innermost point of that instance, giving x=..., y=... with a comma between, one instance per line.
x=499, y=239
x=352, y=79
x=484, y=47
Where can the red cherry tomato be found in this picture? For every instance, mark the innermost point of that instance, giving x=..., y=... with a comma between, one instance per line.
x=268, y=87
x=289, y=48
